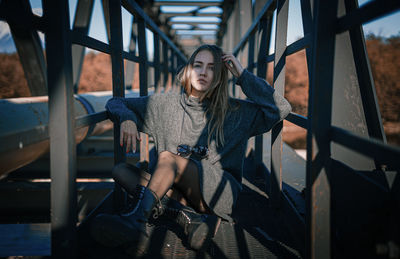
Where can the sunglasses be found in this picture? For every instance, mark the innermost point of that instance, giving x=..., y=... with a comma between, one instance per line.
x=186, y=150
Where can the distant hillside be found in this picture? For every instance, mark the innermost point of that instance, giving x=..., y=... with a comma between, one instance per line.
x=12, y=78
x=384, y=57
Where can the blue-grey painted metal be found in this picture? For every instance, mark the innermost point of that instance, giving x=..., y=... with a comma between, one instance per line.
x=143, y=83
x=28, y=44
x=130, y=67
x=156, y=61
x=318, y=190
x=81, y=39
x=297, y=119
x=24, y=126
x=366, y=13
x=264, y=30
x=385, y=154
x=270, y=5
x=83, y=15
x=143, y=65
x=347, y=104
x=364, y=75
x=112, y=9
x=279, y=85
x=250, y=57
x=165, y=63
x=61, y=129
x=134, y=9
x=90, y=110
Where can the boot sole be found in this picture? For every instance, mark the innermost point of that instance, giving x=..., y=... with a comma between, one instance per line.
x=111, y=233
x=200, y=238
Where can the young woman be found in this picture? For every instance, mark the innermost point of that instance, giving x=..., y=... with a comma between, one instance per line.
x=200, y=136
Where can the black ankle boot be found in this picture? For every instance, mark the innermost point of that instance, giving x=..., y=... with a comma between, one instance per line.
x=116, y=230
x=199, y=228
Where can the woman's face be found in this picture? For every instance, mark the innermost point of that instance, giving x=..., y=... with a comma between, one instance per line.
x=202, y=73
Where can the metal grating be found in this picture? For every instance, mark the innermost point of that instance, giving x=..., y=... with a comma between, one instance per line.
x=256, y=233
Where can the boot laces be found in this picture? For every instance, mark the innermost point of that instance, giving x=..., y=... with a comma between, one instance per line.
x=158, y=210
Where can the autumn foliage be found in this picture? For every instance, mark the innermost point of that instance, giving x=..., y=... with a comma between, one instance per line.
x=384, y=55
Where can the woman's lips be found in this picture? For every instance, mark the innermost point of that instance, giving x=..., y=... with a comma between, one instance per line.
x=202, y=81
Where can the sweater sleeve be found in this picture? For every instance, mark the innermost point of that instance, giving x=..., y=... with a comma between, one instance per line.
x=268, y=107
x=139, y=109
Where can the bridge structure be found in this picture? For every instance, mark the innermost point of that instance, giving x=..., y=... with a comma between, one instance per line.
x=341, y=201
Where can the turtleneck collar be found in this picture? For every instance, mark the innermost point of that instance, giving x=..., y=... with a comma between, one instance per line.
x=192, y=102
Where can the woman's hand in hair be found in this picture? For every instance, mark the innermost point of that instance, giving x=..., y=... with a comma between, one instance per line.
x=233, y=64
x=128, y=135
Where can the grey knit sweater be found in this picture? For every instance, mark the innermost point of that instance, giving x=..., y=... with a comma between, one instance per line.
x=175, y=118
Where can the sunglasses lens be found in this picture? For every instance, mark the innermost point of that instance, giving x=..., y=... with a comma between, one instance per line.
x=183, y=149
x=202, y=151
x=186, y=150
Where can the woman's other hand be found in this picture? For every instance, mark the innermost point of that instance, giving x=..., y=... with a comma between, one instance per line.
x=233, y=64
x=128, y=135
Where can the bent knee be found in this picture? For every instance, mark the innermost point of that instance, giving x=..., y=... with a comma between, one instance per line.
x=166, y=156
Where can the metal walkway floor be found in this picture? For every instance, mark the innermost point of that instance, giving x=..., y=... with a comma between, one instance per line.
x=256, y=233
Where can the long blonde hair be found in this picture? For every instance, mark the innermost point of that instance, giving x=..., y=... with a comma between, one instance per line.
x=217, y=94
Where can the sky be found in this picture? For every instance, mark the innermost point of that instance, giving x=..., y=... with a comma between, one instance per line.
x=386, y=27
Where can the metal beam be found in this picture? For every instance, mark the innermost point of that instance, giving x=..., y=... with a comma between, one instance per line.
x=143, y=77
x=130, y=67
x=193, y=23
x=318, y=189
x=384, y=154
x=365, y=80
x=367, y=13
x=269, y=6
x=297, y=119
x=279, y=85
x=187, y=3
x=156, y=61
x=347, y=102
x=265, y=29
x=112, y=10
x=196, y=14
x=227, y=8
x=83, y=15
x=135, y=9
x=28, y=45
x=61, y=128
x=81, y=39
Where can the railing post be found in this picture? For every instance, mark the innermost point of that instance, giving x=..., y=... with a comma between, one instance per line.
x=156, y=62
x=318, y=190
x=173, y=68
x=250, y=58
x=61, y=129
x=265, y=31
x=279, y=85
x=366, y=84
x=83, y=14
x=112, y=9
x=165, y=63
x=250, y=68
x=130, y=66
x=143, y=71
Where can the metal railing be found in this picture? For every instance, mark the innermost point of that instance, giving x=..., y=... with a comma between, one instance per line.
x=64, y=52
x=112, y=11
x=321, y=26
